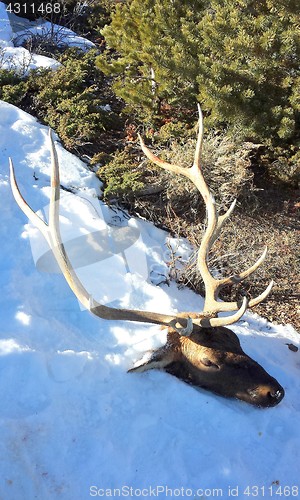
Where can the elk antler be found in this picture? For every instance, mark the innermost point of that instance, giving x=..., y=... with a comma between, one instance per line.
x=214, y=225
x=182, y=321
x=51, y=232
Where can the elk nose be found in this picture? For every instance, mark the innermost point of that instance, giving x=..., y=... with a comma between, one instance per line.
x=276, y=396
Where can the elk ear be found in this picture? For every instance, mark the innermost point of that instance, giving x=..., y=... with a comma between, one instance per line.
x=159, y=359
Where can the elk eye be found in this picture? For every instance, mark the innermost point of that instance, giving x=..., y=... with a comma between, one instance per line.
x=207, y=362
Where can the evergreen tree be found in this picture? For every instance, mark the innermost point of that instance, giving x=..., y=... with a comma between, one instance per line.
x=239, y=58
x=156, y=61
x=249, y=66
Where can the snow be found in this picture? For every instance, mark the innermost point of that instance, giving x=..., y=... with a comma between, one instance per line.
x=73, y=423
x=16, y=58
x=60, y=35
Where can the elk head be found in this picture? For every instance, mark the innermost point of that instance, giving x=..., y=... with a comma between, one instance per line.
x=199, y=349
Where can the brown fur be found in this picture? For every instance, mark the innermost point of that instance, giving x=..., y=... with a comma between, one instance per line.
x=212, y=358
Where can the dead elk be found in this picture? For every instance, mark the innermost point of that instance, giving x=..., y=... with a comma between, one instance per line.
x=199, y=350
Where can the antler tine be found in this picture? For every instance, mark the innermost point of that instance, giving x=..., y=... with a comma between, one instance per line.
x=32, y=216
x=171, y=167
x=57, y=245
x=220, y=221
x=225, y=320
x=237, y=278
x=262, y=296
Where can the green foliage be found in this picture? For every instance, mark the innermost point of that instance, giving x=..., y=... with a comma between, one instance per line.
x=96, y=15
x=174, y=130
x=154, y=63
x=249, y=74
x=238, y=58
x=70, y=99
x=284, y=166
x=66, y=99
x=122, y=176
x=12, y=88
